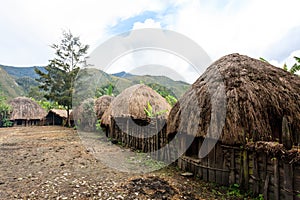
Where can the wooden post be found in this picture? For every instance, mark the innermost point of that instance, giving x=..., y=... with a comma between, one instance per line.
x=246, y=169
x=276, y=179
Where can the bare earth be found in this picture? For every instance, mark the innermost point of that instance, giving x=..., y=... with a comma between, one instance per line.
x=52, y=163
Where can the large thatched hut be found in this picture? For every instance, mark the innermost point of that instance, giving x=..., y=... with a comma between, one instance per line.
x=26, y=112
x=101, y=104
x=126, y=120
x=247, y=112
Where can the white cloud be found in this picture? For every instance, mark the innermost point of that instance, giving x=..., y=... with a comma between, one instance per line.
x=248, y=29
x=220, y=27
x=148, y=23
x=30, y=26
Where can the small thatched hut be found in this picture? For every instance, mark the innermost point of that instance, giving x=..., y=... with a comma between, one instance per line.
x=58, y=117
x=101, y=104
x=26, y=112
x=240, y=105
x=85, y=116
x=126, y=119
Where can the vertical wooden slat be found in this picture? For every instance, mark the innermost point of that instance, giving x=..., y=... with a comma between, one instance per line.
x=276, y=179
x=211, y=163
x=219, y=163
x=245, y=169
x=255, y=174
x=266, y=186
x=205, y=164
x=288, y=183
x=232, y=167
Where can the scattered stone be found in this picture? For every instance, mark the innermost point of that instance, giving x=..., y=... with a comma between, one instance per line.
x=187, y=174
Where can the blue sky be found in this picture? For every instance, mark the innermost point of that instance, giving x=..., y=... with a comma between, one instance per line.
x=268, y=29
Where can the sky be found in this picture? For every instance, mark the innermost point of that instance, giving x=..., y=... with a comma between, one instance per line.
x=257, y=28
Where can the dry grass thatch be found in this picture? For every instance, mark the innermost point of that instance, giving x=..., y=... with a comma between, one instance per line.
x=26, y=109
x=257, y=96
x=101, y=104
x=59, y=112
x=132, y=102
x=84, y=115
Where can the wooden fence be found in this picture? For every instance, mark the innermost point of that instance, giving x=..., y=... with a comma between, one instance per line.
x=261, y=167
x=254, y=167
x=145, y=135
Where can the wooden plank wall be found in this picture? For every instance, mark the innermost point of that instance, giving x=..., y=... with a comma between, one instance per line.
x=259, y=172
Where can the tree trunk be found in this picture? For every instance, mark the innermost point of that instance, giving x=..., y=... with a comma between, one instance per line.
x=68, y=116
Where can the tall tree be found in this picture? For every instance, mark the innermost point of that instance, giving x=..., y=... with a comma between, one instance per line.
x=58, y=80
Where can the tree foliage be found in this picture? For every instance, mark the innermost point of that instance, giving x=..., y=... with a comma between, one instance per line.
x=58, y=80
x=5, y=110
x=164, y=92
x=294, y=69
x=108, y=89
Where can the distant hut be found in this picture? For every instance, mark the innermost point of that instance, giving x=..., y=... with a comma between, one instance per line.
x=101, y=104
x=126, y=120
x=84, y=115
x=26, y=112
x=260, y=100
x=58, y=117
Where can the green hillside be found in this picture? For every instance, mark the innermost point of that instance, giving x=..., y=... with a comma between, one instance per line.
x=16, y=81
x=177, y=87
x=90, y=79
x=8, y=85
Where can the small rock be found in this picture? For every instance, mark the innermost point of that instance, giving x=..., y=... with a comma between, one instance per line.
x=187, y=174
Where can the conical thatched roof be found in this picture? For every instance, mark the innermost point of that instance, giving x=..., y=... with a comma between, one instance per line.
x=101, y=104
x=132, y=102
x=26, y=109
x=257, y=96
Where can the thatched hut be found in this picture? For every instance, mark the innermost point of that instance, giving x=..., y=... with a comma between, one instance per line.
x=101, y=104
x=85, y=116
x=126, y=119
x=58, y=117
x=240, y=102
x=26, y=112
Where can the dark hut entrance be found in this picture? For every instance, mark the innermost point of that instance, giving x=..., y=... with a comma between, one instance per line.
x=57, y=117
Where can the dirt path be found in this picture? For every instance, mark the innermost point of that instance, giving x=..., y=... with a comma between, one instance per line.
x=52, y=163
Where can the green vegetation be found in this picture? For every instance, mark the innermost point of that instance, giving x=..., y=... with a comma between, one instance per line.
x=164, y=92
x=98, y=125
x=58, y=80
x=48, y=105
x=5, y=110
x=294, y=69
x=149, y=111
x=108, y=89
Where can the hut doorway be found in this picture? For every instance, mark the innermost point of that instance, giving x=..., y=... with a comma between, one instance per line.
x=192, y=147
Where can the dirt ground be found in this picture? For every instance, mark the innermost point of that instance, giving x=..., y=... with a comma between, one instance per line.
x=52, y=163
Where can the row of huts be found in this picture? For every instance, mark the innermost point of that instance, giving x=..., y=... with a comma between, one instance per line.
x=26, y=112
x=238, y=123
